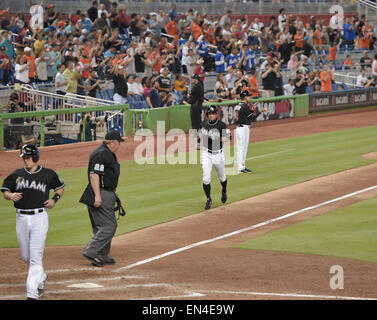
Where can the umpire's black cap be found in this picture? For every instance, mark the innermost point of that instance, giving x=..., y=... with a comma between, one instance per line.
x=114, y=135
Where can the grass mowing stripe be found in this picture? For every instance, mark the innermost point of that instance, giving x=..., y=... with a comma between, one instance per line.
x=159, y=193
x=349, y=232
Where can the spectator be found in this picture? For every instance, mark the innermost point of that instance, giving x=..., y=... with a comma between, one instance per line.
x=164, y=81
x=332, y=52
x=289, y=88
x=326, y=78
x=153, y=97
x=71, y=75
x=147, y=86
x=253, y=84
x=301, y=82
x=5, y=66
x=92, y=84
x=15, y=105
x=120, y=84
x=93, y=11
x=361, y=79
x=269, y=79
x=365, y=60
x=348, y=63
x=318, y=37
x=31, y=61
x=317, y=88
x=22, y=70
x=60, y=84
x=180, y=83
x=371, y=83
x=349, y=33
x=374, y=67
x=41, y=66
x=129, y=62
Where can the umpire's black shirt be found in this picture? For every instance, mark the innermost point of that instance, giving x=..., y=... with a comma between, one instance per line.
x=104, y=163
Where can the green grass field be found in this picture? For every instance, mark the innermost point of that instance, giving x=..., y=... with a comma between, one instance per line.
x=349, y=232
x=158, y=193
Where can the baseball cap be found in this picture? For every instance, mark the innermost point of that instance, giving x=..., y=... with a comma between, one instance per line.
x=114, y=135
x=195, y=76
x=50, y=6
x=27, y=49
x=3, y=12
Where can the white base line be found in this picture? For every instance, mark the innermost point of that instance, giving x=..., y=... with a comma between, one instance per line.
x=197, y=244
x=295, y=295
x=270, y=154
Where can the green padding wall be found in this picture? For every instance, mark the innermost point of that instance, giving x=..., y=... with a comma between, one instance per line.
x=180, y=117
x=301, y=105
x=153, y=116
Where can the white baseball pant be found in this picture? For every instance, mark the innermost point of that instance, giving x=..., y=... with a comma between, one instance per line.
x=243, y=137
x=31, y=234
x=213, y=159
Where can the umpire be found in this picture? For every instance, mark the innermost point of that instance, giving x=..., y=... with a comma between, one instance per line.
x=196, y=100
x=103, y=174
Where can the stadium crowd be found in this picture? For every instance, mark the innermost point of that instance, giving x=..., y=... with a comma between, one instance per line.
x=155, y=55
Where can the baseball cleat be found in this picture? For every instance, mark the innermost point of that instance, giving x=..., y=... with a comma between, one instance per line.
x=28, y=298
x=96, y=262
x=208, y=204
x=108, y=260
x=223, y=197
x=198, y=146
x=246, y=171
x=41, y=287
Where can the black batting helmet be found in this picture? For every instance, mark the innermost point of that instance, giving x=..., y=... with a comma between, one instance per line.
x=244, y=93
x=30, y=150
x=212, y=109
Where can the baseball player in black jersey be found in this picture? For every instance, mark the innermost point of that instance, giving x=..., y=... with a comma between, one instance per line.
x=29, y=189
x=245, y=115
x=196, y=98
x=212, y=132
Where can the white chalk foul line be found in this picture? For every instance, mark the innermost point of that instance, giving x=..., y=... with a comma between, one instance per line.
x=294, y=295
x=197, y=244
x=271, y=154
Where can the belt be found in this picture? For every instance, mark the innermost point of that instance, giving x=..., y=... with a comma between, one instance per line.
x=213, y=152
x=243, y=125
x=108, y=189
x=30, y=212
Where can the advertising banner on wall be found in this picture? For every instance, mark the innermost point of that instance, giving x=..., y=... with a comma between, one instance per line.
x=342, y=99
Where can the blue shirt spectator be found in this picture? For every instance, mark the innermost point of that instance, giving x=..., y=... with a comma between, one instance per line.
x=153, y=97
x=220, y=62
x=349, y=34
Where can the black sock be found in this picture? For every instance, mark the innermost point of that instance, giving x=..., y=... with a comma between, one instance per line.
x=207, y=190
x=198, y=139
x=223, y=184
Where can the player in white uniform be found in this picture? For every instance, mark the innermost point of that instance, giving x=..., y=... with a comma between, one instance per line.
x=245, y=115
x=212, y=132
x=29, y=189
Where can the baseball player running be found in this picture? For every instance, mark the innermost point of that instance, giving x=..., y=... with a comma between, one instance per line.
x=29, y=189
x=212, y=132
x=245, y=115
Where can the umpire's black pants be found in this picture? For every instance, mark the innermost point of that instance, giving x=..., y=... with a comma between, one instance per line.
x=104, y=225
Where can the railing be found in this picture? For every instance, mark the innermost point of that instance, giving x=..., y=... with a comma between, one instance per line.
x=45, y=114
x=367, y=7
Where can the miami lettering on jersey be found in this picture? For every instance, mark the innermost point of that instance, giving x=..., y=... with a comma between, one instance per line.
x=22, y=183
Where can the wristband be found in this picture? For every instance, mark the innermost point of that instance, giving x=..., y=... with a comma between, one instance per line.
x=56, y=197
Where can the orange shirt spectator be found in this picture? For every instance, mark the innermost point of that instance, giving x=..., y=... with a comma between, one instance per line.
x=31, y=61
x=299, y=38
x=156, y=60
x=332, y=53
x=172, y=29
x=364, y=42
x=326, y=80
x=85, y=62
x=317, y=38
x=196, y=31
x=253, y=84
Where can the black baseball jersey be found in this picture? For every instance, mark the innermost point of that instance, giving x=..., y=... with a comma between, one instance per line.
x=245, y=114
x=212, y=134
x=34, y=186
x=104, y=163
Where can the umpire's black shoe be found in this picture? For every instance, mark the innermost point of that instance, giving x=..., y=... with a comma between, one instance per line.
x=108, y=260
x=223, y=197
x=208, y=204
x=96, y=262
